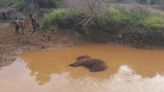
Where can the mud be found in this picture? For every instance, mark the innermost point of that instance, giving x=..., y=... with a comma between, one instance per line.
x=12, y=44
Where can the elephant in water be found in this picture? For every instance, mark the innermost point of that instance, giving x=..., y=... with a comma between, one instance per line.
x=94, y=65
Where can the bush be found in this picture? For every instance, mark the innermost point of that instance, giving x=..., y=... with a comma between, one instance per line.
x=113, y=17
x=48, y=3
x=62, y=18
x=153, y=21
x=17, y=2
x=4, y=2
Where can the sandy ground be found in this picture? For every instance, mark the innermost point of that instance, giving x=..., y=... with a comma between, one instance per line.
x=12, y=44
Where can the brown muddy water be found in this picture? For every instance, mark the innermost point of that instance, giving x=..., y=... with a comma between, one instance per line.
x=130, y=70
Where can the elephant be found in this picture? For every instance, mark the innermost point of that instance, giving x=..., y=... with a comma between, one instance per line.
x=93, y=64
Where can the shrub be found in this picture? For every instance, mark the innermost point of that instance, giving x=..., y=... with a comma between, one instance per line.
x=4, y=2
x=17, y=2
x=48, y=3
x=153, y=21
x=113, y=17
x=62, y=18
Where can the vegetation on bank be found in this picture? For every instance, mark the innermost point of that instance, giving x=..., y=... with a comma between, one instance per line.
x=17, y=2
x=25, y=3
x=48, y=3
x=112, y=17
x=96, y=19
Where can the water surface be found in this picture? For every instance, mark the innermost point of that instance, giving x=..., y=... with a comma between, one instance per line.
x=130, y=70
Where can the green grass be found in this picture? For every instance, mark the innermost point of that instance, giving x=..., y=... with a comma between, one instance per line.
x=153, y=21
x=113, y=16
x=51, y=18
x=139, y=18
x=59, y=17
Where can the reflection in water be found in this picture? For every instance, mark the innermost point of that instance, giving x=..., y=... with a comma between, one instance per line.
x=43, y=64
x=17, y=78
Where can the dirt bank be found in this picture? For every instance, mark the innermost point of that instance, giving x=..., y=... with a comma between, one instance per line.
x=11, y=44
x=140, y=38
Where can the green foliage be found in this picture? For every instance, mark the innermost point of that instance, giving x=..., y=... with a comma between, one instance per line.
x=42, y=3
x=20, y=2
x=61, y=18
x=17, y=2
x=113, y=17
x=136, y=17
x=4, y=2
x=153, y=21
x=48, y=3
x=149, y=1
x=146, y=19
x=51, y=18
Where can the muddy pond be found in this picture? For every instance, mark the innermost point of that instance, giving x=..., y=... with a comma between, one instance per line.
x=129, y=70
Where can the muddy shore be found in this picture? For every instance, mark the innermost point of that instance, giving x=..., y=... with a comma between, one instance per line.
x=12, y=44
